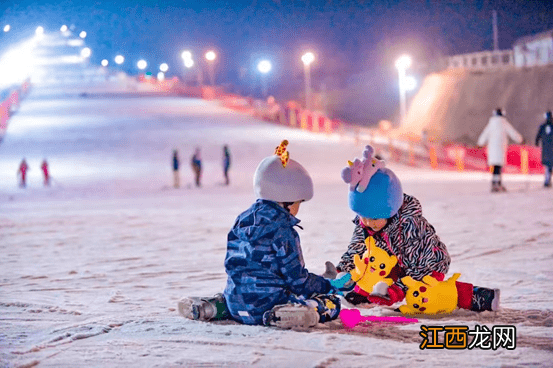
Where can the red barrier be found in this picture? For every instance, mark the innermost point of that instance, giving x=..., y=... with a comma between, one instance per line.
x=13, y=101
x=4, y=115
x=475, y=158
x=514, y=154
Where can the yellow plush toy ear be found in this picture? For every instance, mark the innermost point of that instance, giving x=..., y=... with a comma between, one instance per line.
x=409, y=281
x=359, y=269
x=370, y=242
x=429, y=280
x=454, y=277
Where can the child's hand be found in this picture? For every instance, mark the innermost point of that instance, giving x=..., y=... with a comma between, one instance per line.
x=394, y=294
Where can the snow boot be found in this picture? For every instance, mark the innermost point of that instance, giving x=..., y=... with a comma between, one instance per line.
x=291, y=316
x=484, y=299
x=204, y=309
x=303, y=313
x=356, y=299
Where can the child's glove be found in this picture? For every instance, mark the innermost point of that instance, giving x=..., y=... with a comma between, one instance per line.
x=393, y=295
x=342, y=283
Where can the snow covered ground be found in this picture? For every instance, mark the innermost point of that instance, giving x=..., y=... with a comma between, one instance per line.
x=92, y=267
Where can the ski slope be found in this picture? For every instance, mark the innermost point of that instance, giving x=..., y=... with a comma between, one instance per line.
x=93, y=266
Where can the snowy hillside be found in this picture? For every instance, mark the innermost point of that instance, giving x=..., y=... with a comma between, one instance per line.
x=93, y=266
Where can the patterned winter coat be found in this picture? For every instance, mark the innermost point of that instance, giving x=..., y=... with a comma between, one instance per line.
x=264, y=263
x=545, y=135
x=408, y=236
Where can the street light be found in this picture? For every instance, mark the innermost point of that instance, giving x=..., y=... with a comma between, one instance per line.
x=141, y=64
x=186, y=55
x=164, y=67
x=105, y=62
x=402, y=64
x=264, y=67
x=63, y=28
x=119, y=59
x=82, y=34
x=307, y=59
x=188, y=63
x=7, y=28
x=210, y=56
x=410, y=83
x=86, y=52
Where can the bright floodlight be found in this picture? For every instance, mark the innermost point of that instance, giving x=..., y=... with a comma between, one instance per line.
x=409, y=83
x=39, y=31
x=7, y=28
x=63, y=28
x=17, y=63
x=119, y=59
x=105, y=62
x=160, y=76
x=142, y=64
x=82, y=34
x=403, y=62
x=264, y=66
x=86, y=52
x=189, y=63
x=307, y=58
x=186, y=55
x=164, y=67
x=210, y=55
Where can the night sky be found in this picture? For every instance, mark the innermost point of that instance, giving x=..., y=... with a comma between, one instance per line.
x=350, y=38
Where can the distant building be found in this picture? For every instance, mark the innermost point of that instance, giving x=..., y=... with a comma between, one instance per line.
x=528, y=51
x=483, y=60
x=534, y=50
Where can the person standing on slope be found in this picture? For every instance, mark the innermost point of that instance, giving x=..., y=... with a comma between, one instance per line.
x=495, y=137
x=45, y=172
x=545, y=136
x=22, y=172
x=226, y=163
x=176, y=179
x=196, y=163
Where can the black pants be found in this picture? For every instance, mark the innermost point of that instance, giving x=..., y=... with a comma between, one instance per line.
x=548, y=170
x=496, y=176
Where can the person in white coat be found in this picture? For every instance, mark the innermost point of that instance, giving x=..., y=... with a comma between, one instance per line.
x=495, y=137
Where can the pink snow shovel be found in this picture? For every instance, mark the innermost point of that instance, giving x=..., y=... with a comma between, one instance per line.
x=351, y=317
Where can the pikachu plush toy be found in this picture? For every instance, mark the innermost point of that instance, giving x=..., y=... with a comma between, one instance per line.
x=373, y=268
x=430, y=296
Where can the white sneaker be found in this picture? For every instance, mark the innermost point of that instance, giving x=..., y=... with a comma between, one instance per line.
x=495, y=300
x=196, y=308
x=291, y=316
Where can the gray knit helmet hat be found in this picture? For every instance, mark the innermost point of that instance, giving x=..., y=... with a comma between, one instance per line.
x=281, y=179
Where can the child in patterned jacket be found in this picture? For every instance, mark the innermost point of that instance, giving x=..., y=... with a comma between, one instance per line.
x=267, y=280
x=396, y=223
